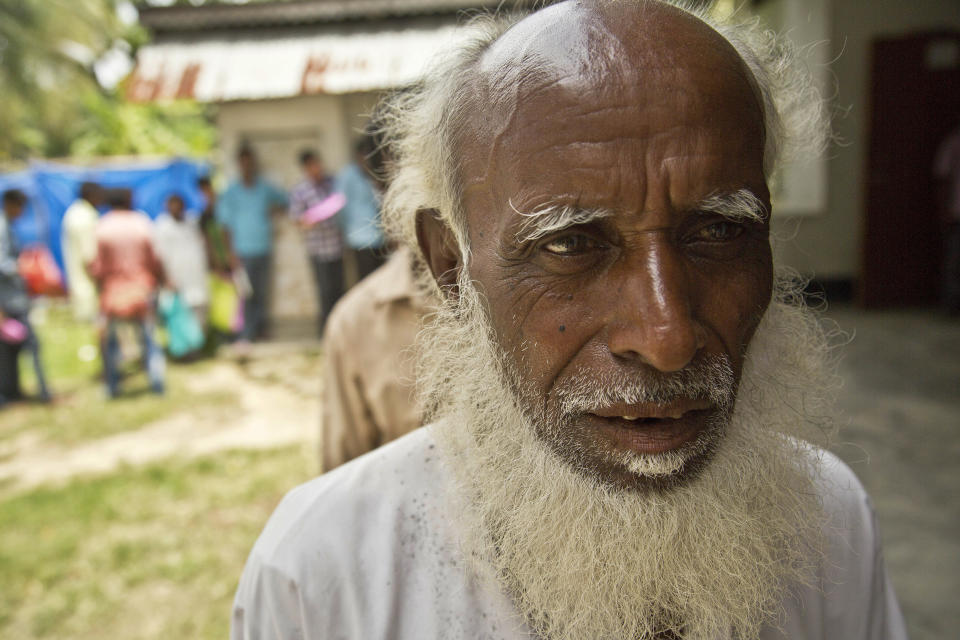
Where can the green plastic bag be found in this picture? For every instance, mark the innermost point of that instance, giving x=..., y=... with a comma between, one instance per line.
x=184, y=333
x=224, y=302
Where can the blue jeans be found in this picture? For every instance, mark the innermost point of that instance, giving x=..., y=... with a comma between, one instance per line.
x=255, y=307
x=33, y=344
x=152, y=354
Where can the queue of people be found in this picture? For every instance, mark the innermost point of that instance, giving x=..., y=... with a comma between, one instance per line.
x=118, y=265
x=205, y=276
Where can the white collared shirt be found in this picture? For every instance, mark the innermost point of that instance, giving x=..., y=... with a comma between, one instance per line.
x=368, y=552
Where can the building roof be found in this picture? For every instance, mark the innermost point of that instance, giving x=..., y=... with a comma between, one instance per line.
x=218, y=70
x=179, y=19
x=261, y=50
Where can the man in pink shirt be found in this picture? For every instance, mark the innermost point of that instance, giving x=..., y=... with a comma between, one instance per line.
x=128, y=273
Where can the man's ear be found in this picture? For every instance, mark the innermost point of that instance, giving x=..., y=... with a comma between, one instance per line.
x=439, y=247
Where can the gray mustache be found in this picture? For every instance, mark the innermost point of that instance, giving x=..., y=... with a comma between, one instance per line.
x=708, y=379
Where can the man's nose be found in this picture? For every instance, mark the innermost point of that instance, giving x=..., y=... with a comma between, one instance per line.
x=654, y=321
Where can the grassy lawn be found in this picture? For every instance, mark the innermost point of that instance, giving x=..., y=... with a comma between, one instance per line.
x=152, y=552
x=81, y=411
x=145, y=552
x=86, y=414
x=68, y=348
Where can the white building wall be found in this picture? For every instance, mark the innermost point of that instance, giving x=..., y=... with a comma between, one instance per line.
x=828, y=245
x=278, y=129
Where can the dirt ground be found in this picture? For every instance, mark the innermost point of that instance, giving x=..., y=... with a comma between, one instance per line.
x=278, y=404
x=900, y=433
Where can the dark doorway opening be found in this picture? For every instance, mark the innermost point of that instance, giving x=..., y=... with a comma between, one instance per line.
x=915, y=99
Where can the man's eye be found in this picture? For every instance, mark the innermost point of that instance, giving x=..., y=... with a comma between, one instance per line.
x=720, y=231
x=570, y=245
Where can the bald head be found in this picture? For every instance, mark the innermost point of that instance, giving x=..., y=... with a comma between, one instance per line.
x=584, y=49
x=590, y=44
x=582, y=61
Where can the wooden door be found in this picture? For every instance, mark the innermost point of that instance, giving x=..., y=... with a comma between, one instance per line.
x=915, y=99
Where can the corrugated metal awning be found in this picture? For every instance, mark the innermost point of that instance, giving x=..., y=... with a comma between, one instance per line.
x=183, y=18
x=221, y=70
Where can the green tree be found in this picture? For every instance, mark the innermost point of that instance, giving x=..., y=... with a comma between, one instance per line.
x=50, y=101
x=113, y=126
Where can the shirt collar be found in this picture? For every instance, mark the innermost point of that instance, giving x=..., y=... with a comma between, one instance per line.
x=398, y=277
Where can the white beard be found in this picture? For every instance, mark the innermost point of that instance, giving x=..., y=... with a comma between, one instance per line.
x=583, y=560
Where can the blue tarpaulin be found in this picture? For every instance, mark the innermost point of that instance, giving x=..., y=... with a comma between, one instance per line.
x=51, y=188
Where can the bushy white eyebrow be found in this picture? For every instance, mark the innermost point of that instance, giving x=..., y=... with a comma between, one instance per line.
x=550, y=218
x=741, y=205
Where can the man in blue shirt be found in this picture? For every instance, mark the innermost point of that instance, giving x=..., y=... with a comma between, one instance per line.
x=360, y=217
x=245, y=208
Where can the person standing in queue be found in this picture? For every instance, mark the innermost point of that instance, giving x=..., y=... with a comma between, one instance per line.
x=14, y=300
x=244, y=209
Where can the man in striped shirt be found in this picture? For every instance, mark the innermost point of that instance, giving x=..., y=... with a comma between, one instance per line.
x=322, y=238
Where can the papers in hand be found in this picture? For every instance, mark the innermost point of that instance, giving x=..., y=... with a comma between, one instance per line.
x=12, y=331
x=241, y=281
x=324, y=209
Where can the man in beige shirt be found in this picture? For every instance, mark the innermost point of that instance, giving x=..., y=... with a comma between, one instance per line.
x=368, y=395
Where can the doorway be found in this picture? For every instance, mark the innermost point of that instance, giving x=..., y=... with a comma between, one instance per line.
x=915, y=98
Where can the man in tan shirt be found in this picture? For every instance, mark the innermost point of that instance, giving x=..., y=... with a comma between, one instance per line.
x=368, y=397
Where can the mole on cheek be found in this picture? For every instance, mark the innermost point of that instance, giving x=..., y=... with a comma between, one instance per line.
x=569, y=296
x=563, y=328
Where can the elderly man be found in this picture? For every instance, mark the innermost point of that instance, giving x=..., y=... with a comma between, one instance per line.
x=623, y=398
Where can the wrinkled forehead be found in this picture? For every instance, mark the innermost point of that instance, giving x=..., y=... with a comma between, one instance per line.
x=605, y=51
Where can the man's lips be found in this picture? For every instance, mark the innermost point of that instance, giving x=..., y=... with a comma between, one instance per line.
x=651, y=429
x=674, y=410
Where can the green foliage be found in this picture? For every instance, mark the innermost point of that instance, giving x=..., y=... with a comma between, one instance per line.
x=52, y=104
x=112, y=126
x=196, y=3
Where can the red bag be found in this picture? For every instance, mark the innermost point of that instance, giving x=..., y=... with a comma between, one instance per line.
x=40, y=272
